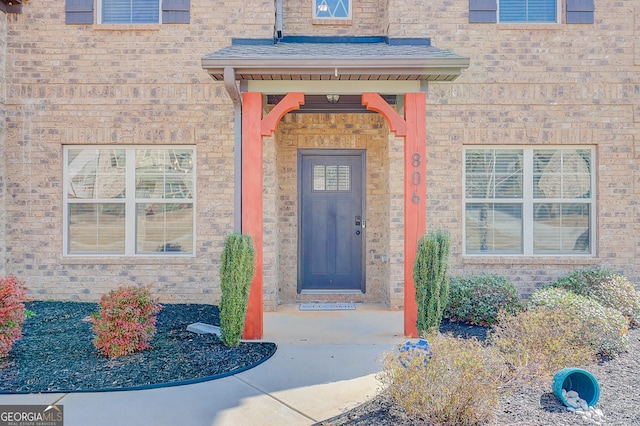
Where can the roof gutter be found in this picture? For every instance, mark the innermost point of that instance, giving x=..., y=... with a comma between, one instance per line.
x=236, y=98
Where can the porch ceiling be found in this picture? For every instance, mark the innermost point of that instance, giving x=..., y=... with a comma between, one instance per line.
x=352, y=59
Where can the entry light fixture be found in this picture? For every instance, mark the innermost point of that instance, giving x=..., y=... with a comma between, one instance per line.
x=333, y=99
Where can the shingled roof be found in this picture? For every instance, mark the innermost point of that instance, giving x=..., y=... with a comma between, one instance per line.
x=335, y=58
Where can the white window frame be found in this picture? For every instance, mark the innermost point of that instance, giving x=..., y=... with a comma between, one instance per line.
x=557, y=21
x=100, y=17
x=316, y=4
x=528, y=200
x=130, y=201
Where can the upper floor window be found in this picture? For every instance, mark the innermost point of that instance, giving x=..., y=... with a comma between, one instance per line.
x=528, y=11
x=529, y=201
x=130, y=11
x=129, y=201
x=332, y=9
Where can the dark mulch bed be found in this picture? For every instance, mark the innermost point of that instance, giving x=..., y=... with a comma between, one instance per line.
x=57, y=354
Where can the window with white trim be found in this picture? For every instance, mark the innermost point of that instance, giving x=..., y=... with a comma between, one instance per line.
x=332, y=9
x=529, y=201
x=129, y=200
x=535, y=11
x=129, y=11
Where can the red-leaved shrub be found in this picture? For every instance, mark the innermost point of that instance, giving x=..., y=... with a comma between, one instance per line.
x=126, y=321
x=12, y=312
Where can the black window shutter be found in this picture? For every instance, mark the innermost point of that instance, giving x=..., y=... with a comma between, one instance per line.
x=580, y=11
x=175, y=11
x=78, y=12
x=483, y=11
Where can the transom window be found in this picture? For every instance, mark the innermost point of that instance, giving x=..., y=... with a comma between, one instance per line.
x=129, y=11
x=529, y=201
x=333, y=9
x=129, y=201
x=528, y=11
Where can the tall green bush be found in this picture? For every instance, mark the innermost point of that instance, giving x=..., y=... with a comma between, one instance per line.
x=429, y=275
x=236, y=273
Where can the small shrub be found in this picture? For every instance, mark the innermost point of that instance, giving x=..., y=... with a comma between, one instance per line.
x=478, y=299
x=12, y=312
x=429, y=275
x=536, y=343
x=458, y=383
x=606, y=329
x=126, y=321
x=236, y=273
x=609, y=288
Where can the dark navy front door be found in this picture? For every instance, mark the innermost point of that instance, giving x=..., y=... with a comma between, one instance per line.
x=331, y=220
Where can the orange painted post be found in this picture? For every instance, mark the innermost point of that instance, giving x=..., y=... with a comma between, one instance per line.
x=414, y=130
x=252, y=205
x=415, y=194
x=254, y=127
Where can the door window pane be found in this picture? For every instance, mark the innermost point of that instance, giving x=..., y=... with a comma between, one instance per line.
x=331, y=178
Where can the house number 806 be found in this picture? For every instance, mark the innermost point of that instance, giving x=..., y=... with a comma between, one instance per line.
x=416, y=177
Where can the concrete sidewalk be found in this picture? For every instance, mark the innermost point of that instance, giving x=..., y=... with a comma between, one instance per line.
x=325, y=364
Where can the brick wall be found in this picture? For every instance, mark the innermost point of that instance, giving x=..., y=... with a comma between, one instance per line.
x=367, y=20
x=91, y=84
x=3, y=143
x=537, y=85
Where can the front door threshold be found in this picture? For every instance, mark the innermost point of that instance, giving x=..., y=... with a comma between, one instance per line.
x=337, y=291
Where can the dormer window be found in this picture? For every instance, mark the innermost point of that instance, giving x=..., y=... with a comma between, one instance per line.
x=332, y=9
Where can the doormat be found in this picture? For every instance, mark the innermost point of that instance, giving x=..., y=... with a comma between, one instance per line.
x=327, y=306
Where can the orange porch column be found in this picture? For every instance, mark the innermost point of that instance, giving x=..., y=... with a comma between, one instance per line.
x=254, y=127
x=415, y=194
x=252, y=205
x=414, y=130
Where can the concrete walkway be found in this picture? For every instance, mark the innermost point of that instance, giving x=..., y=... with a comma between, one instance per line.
x=325, y=364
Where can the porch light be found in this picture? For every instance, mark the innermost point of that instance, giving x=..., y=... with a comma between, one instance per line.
x=333, y=99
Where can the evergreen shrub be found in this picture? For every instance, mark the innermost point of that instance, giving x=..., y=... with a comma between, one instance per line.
x=236, y=273
x=429, y=275
x=479, y=299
